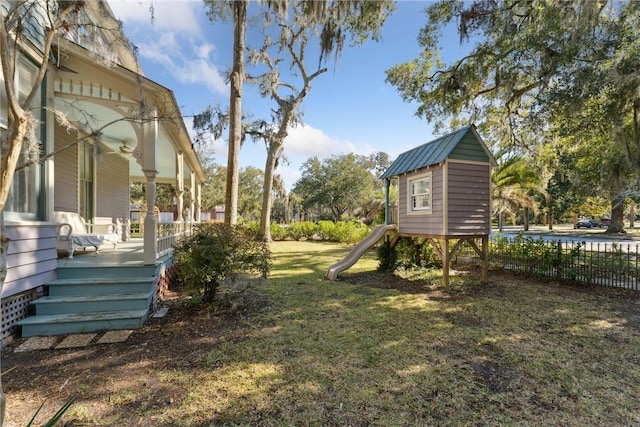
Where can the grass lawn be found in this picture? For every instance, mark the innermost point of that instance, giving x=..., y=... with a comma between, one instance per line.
x=369, y=349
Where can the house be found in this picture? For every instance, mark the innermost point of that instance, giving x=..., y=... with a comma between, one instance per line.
x=124, y=128
x=444, y=193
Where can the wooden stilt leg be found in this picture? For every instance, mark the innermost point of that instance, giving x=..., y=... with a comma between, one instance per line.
x=445, y=261
x=485, y=257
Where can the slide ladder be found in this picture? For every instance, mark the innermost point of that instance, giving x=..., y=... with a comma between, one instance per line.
x=358, y=250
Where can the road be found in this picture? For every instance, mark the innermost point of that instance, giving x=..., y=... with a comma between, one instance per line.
x=565, y=233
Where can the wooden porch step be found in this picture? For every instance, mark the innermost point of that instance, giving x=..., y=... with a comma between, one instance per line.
x=99, y=286
x=61, y=324
x=80, y=271
x=68, y=304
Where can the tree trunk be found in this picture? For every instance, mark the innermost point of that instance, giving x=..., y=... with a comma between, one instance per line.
x=617, y=194
x=632, y=214
x=617, y=215
x=526, y=219
x=235, y=112
x=274, y=151
x=9, y=160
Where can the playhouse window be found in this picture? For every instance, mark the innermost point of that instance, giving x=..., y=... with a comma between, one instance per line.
x=420, y=193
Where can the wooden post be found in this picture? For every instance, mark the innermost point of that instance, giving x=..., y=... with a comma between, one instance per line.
x=445, y=261
x=485, y=257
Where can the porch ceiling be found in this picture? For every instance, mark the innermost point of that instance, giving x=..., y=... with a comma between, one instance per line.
x=120, y=133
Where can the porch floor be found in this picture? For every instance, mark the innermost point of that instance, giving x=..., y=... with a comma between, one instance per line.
x=129, y=253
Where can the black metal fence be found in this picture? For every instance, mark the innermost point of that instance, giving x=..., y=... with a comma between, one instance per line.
x=613, y=264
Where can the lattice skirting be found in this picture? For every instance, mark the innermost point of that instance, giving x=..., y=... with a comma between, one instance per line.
x=166, y=277
x=15, y=308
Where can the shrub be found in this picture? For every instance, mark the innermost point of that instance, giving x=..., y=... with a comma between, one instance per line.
x=216, y=252
x=326, y=229
x=278, y=232
x=303, y=230
x=388, y=258
x=416, y=252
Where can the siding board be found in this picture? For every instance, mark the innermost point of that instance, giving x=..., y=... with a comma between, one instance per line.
x=32, y=257
x=428, y=223
x=469, y=198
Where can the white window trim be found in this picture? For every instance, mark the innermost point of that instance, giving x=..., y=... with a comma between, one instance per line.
x=410, y=181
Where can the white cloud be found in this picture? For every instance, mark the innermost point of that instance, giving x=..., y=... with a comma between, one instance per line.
x=171, y=15
x=307, y=141
x=174, y=56
x=172, y=39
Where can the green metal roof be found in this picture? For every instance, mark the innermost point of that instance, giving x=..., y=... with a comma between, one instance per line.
x=434, y=152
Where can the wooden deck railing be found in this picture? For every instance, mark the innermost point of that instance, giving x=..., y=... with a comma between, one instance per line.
x=393, y=214
x=169, y=233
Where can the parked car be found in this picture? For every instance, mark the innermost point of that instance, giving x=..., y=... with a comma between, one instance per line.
x=604, y=222
x=587, y=223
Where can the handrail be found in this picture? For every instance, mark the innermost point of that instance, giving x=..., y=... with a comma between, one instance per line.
x=168, y=235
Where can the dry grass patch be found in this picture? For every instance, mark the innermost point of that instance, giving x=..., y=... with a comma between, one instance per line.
x=369, y=349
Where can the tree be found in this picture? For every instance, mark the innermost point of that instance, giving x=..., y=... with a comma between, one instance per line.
x=341, y=183
x=250, y=193
x=529, y=58
x=333, y=20
x=512, y=182
x=220, y=10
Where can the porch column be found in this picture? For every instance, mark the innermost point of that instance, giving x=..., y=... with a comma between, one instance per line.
x=387, y=184
x=148, y=159
x=192, y=191
x=198, y=198
x=150, y=222
x=180, y=186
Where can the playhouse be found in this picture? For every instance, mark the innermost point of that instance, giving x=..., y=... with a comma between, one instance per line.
x=444, y=189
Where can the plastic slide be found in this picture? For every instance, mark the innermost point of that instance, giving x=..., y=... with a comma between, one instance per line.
x=357, y=251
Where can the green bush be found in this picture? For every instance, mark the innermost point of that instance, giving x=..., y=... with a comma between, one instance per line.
x=326, y=229
x=303, y=230
x=216, y=252
x=387, y=257
x=416, y=253
x=278, y=232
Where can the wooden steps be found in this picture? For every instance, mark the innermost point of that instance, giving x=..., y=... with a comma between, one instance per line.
x=61, y=324
x=91, y=299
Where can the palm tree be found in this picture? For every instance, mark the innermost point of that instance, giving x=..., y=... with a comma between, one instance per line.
x=514, y=183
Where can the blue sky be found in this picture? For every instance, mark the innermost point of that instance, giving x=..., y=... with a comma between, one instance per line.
x=349, y=109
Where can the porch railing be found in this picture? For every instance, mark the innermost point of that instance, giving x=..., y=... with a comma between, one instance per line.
x=169, y=233
x=393, y=214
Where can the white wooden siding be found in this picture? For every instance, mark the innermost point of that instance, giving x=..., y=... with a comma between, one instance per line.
x=32, y=256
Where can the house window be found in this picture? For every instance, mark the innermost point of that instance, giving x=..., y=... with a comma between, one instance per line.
x=420, y=193
x=24, y=193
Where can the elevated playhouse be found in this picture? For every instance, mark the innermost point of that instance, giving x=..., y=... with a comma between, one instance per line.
x=444, y=196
